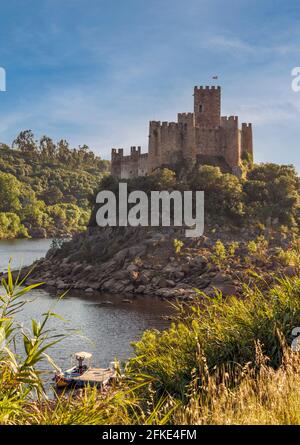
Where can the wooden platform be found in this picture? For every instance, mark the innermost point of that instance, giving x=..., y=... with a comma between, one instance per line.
x=94, y=377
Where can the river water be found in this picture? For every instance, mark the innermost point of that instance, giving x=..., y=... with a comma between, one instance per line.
x=105, y=324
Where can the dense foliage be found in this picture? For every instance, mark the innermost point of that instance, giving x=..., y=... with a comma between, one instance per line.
x=267, y=195
x=226, y=332
x=45, y=188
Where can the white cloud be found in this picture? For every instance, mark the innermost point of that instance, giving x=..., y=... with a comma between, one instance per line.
x=236, y=45
x=229, y=43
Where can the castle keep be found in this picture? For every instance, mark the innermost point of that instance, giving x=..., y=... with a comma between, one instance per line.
x=203, y=137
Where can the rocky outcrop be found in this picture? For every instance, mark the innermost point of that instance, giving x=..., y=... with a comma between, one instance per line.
x=142, y=261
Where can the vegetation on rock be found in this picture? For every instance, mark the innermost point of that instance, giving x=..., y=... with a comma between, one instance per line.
x=269, y=194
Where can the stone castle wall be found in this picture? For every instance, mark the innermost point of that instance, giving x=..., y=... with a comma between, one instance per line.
x=124, y=167
x=203, y=134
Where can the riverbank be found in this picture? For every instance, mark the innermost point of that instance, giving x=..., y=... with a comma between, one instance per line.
x=22, y=252
x=164, y=263
x=220, y=362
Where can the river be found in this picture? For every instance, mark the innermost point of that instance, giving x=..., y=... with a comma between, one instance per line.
x=105, y=324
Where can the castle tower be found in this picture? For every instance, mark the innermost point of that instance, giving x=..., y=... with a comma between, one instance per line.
x=231, y=140
x=247, y=141
x=207, y=106
x=202, y=137
x=154, y=148
x=116, y=161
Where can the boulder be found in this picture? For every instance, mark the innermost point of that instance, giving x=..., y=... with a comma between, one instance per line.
x=144, y=278
x=109, y=284
x=226, y=288
x=177, y=275
x=135, y=251
x=129, y=288
x=121, y=255
x=221, y=278
x=185, y=268
x=198, y=261
x=140, y=289
x=121, y=275
x=132, y=268
x=162, y=282
x=170, y=283
x=60, y=284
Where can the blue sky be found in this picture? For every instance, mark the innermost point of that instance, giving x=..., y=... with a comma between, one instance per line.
x=97, y=71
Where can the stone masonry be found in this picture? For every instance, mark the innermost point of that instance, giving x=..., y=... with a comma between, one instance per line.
x=203, y=137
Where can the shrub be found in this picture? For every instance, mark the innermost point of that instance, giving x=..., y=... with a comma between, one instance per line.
x=178, y=245
x=226, y=332
x=219, y=256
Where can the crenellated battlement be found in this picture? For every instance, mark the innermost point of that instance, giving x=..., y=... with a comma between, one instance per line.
x=135, y=150
x=159, y=124
x=168, y=124
x=186, y=119
x=202, y=134
x=229, y=118
x=117, y=153
x=134, y=164
x=209, y=88
x=155, y=123
x=185, y=115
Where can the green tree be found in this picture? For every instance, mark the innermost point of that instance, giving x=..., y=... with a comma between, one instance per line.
x=223, y=192
x=11, y=227
x=10, y=191
x=165, y=179
x=25, y=142
x=272, y=191
x=47, y=148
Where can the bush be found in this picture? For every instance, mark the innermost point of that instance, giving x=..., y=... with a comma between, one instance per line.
x=268, y=196
x=226, y=332
x=11, y=227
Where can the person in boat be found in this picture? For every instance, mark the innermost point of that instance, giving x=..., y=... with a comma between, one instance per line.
x=80, y=357
x=80, y=365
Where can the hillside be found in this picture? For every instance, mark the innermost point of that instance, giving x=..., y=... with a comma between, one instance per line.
x=45, y=188
x=227, y=356
x=255, y=214
x=227, y=352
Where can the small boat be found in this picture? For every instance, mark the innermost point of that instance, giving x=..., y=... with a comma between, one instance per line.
x=83, y=374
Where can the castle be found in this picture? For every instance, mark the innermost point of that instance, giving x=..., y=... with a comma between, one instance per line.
x=203, y=137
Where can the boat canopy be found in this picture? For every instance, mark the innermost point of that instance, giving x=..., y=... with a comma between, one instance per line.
x=83, y=355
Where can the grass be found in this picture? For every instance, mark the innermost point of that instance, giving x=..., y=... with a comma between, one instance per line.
x=225, y=330
x=266, y=397
x=222, y=361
